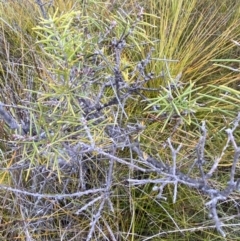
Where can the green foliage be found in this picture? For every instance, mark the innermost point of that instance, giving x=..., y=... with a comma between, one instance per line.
x=58, y=38
x=175, y=102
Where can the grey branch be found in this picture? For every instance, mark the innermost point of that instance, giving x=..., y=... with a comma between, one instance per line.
x=10, y=121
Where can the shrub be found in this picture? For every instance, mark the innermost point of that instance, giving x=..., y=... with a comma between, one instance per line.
x=105, y=137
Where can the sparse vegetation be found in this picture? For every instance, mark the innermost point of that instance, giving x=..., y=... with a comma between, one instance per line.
x=119, y=120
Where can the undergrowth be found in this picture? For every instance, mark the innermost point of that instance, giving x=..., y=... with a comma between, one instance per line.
x=119, y=120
